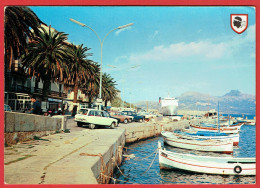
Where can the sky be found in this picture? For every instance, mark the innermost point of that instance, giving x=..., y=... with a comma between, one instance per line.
x=167, y=51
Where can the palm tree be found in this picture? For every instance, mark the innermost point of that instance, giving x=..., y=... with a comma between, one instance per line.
x=91, y=88
x=46, y=57
x=108, y=88
x=81, y=69
x=20, y=23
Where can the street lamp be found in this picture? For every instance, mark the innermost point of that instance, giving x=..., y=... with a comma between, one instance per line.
x=101, y=47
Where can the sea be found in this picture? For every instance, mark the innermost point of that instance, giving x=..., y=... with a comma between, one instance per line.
x=144, y=167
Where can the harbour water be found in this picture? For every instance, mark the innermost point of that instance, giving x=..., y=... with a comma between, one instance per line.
x=144, y=167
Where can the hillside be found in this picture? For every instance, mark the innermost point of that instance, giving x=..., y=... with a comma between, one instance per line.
x=233, y=102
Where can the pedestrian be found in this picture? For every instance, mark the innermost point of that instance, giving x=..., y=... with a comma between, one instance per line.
x=74, y=111
x=53, y=112
x=36, y=107
x=59, y=111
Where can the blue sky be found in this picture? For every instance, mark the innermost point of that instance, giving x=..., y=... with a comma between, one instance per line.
x=173, y=49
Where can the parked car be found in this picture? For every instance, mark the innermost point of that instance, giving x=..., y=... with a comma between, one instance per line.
x=131, y=117
x=92, y=118
x=134, y=115
x=122, y=118
x=147, y=115
x=7, y=108
x=118, y=119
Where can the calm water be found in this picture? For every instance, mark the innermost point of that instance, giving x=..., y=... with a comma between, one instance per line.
x=144, y=168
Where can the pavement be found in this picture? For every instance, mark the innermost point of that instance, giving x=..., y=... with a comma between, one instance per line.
x=57, y=159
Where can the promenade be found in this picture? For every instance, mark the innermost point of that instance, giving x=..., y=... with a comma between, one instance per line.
x=81, y=156
x=62, y=158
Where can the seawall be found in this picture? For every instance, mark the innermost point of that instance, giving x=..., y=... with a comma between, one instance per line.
x=80, y=157
x=140, y=131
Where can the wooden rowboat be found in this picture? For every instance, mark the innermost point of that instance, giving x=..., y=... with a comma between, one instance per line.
x=229, y=130
x=237, y=125
x=192, y=143
x=210, y=135
x=206, y=164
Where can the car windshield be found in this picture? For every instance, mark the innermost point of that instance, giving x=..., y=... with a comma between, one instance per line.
x=106, y=114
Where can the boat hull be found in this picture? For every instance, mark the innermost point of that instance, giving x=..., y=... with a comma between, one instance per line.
x=168, y=110
x=229, y=130
x=232, y=126
x=206, y=164
x=180, y=141
x=233, y=137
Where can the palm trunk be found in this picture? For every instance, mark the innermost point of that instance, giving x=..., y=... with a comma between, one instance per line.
x=45, y=89
x=76, y=87
x=89, y=99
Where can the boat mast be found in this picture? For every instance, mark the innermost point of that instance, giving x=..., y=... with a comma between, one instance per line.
x=228, y=118
x=218, y=117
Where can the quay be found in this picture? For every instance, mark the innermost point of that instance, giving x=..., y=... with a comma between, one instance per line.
x=81, y=156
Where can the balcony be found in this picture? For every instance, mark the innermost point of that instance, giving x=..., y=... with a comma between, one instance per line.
x=32, y=90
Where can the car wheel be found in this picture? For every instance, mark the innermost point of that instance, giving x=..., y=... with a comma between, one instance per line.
x=125, y=121
x=112, y=126
x=91, y=126
x=140, y=120
x=79, y=124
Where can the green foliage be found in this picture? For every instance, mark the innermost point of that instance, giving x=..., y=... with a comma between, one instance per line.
x=20, y=24
x=81, y=69
x=109, y=91
x=117, y=102
x=48, y=56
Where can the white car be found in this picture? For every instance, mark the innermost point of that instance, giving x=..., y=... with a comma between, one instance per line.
x=94, y=117
x=146, y=115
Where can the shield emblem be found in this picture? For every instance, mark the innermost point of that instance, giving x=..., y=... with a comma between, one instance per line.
x=239, y=22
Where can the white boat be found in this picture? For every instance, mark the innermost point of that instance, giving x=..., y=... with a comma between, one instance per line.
x=168, y=106
x=206, y=164
x=252, y=122
x=192, y=143
x=237, y=125
x=210, y=135
x=229, y=130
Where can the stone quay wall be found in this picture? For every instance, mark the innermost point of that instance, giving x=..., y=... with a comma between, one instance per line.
x=154, y=128
x=21, y=126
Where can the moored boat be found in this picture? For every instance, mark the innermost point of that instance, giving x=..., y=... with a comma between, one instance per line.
x=192, y=143
x=237, y=125
x=210, y=135
x=206, y=164
x=230, y=130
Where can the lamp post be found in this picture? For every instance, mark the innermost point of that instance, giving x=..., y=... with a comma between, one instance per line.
x=101, y=48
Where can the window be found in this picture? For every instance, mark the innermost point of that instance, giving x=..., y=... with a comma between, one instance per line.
x=105, y=114
x=83, y=111
x=98, y=113
x=91, y=113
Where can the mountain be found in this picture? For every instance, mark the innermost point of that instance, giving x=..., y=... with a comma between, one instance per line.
x=233, y=93
x=233, y=102
x=149, y=104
